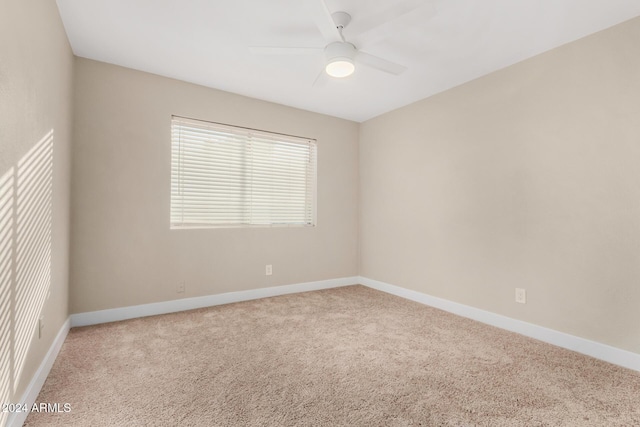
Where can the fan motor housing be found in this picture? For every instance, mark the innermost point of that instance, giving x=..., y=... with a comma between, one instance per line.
x=340, y=59
x=340, y=51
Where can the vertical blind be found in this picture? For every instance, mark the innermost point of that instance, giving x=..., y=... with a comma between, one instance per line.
x=227, y=176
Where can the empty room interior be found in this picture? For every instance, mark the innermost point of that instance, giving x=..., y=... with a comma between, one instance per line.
x=320, y=212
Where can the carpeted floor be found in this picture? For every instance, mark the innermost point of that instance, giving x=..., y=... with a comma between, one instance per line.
x=348, y=357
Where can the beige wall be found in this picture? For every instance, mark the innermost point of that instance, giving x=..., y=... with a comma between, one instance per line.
x=528, y=177
x=36, y=67
x=123, y=251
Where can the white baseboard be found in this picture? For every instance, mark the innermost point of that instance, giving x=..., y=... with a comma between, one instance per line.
x=16, y=419
x=131, y=312
x=594, y=349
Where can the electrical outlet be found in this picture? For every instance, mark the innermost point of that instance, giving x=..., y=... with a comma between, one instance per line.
x=269, y=270
x=40, y=326
x=521, y=296
x=180, y=288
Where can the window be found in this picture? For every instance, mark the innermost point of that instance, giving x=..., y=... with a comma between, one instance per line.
x=227, y=176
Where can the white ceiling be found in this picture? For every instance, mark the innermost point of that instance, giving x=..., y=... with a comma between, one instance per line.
x=443, y=43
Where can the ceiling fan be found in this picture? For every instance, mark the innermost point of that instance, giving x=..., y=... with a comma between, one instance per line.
x=341, y=56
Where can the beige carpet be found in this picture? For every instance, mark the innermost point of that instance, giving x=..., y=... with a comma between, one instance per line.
x=347, y=357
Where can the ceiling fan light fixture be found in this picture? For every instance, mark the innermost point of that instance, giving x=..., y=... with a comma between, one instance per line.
x=340, y=57
x=340, y=67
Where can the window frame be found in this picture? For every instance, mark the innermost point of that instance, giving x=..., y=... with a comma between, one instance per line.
x=250, y=136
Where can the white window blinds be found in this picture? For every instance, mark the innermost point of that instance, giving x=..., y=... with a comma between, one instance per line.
x=226, y=176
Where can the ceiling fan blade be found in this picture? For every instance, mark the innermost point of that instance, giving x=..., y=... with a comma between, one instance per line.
x=380, y=64
x=269, y=50
x=321, y=80
x=395, y=19
x=321, y=15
